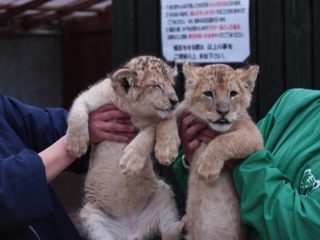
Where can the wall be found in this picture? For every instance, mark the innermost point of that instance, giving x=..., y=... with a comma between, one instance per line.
x=284, y=37
x=285, y=43
x=87, y=54
x=50, y=71
x=30, y=69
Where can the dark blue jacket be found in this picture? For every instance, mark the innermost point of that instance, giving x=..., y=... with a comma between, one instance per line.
x=28, y=207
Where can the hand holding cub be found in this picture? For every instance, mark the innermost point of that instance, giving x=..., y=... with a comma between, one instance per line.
x=109, y=123
x=105, y=123
x=192, y=132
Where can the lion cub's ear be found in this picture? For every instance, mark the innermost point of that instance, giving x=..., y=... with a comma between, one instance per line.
x=191, y=74
x=123, y=80
x=249, y=76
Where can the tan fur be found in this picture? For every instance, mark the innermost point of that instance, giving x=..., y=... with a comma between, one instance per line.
x=220, y=96
x=124, y=200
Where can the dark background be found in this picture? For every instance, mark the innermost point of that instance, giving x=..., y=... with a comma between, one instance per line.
x=284, y=36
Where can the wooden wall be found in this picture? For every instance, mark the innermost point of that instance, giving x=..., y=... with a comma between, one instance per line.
x=285, y=42
x=86, y=54
x=30, y=69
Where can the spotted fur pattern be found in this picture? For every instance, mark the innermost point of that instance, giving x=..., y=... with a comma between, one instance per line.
x=124, y=199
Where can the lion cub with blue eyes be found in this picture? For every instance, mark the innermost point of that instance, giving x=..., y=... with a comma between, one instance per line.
x=220, y=96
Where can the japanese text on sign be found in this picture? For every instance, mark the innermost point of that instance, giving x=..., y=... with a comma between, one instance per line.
x=205, y=30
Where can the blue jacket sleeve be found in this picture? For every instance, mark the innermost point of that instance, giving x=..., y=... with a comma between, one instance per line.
x=24, y=192
x=24, y=131
x=37, y=128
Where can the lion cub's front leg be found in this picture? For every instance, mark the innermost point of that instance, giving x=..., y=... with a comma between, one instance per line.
x=138, y=151
x=210, y=163
x=237, y=144
x=77, y=137
x=167, y=141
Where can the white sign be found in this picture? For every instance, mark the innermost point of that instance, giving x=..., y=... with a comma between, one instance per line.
x=205, y=30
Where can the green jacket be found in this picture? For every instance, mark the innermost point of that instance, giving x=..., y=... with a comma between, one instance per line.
x=279, y=186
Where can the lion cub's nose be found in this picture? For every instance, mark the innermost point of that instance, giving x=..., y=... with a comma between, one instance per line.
x=223, y=112
x=174, y=101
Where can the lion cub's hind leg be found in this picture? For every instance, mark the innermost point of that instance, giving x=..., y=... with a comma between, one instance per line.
x=97, y=224
x=170, y=226
x=161, y=216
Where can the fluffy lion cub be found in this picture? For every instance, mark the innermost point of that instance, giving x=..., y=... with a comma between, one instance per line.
x=124, y=200
x=220, y=96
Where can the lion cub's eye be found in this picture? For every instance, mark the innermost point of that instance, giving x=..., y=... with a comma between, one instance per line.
x=233, y=94
x=157, y=86
x=208, y=94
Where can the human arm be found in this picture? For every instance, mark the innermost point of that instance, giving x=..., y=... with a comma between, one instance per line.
x=192, y=132
x=106, y=123
x=24, y=131
x=269, y=181
x=55, y=159
x=271, y=205
x=109, y=123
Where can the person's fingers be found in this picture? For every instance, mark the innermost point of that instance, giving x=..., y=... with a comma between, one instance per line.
x=206, y=134
x=109, y=115
x=204, y=138
x=194, y=130
x=108, y=107
x=116, y=127
x=131, y=136
x=108, y=123
x=125, y=121
x=188, y=119
x=190, y=126
x=115, y=137
x=112, y=136
x=193, y=145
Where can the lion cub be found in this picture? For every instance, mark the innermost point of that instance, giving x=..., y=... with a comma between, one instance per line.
x=124, y=199
x=220, y=96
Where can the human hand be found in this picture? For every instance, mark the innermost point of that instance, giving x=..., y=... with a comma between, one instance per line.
x=192, y=132
x=109, y=123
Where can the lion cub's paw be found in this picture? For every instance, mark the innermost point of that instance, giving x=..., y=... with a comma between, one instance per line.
x=166, y=149
x=77, y=142
x=131, y=162
x=209, y=169
x=174, y=232
x=185, y=222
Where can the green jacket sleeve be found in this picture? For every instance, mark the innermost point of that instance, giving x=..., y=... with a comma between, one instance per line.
x=271, y=205
x=272, y=183
x=180, y=172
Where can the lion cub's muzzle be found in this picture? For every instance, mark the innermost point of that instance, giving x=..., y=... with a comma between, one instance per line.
x=174, y=101
x=168, y=106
